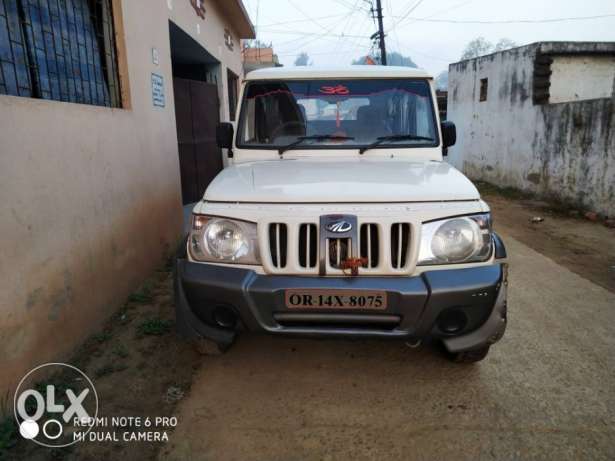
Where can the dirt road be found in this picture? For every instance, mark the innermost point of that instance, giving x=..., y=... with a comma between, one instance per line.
x=546, y=391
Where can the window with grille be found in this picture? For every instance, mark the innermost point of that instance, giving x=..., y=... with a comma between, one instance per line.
x=62, y=50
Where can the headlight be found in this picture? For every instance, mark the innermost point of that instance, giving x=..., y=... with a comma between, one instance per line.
x=456, y=240
x=223, y=240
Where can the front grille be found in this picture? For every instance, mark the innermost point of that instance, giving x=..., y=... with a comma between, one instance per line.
x=308, y=249
x=338, y=321
x=400, y=239
x=308, y=245
x=278, y=238
x=339, y=251
x=369, y=244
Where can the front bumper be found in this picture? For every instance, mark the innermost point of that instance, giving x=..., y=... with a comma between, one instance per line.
x=416, y=304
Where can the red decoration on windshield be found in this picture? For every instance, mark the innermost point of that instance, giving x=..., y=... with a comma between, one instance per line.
x=339, y=89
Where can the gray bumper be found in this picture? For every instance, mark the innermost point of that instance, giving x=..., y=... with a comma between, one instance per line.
x=415, y=304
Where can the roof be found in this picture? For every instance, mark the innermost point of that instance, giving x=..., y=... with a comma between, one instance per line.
x=354, y=71
x=237, y=14
x=554, y=48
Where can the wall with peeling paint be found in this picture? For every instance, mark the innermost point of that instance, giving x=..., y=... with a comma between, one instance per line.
x=564, y=150
x=90, y=196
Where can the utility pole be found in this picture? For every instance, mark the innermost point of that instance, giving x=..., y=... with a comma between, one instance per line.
x=383, y=51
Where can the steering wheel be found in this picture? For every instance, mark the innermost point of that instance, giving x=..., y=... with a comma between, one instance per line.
x=277, y=131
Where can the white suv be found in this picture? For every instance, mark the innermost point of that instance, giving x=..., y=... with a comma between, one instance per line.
x=337, y=217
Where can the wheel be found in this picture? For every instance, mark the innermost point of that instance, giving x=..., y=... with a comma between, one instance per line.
x=206, y=346
x=475, y=355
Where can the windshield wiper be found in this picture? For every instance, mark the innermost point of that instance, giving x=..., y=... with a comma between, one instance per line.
x=318, y=137
x=394, y=137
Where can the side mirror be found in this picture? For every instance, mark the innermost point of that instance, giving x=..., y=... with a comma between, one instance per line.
x=449, y=134
x=224, y=135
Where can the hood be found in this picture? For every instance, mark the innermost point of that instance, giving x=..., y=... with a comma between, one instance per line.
x=329, y=181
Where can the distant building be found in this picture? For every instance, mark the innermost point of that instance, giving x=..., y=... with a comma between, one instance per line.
x=258, y=58
x=442, y=99
x=539, y=118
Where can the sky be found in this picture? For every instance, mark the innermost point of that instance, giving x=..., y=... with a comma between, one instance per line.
x=334, y=32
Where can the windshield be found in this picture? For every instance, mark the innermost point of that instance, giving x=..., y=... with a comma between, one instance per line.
x=343, y=113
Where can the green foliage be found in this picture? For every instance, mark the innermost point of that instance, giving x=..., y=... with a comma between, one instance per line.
x=108, y=369
x=102, y=337
x=8, y=435
x=120, y=351
x=154, y=327
x=144, y=294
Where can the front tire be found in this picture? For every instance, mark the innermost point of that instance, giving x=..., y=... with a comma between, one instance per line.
x=472, y=356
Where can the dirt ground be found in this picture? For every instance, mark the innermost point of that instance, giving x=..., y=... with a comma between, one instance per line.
x=139, y=368
x=586, y=248
x=546, y=391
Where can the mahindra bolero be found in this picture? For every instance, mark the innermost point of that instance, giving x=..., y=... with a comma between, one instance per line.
x=337, y=216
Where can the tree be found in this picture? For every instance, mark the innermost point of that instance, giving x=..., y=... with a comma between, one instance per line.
x=393, y=59
x=480, y=47
x=303, y=59
x=477, y=47
x=442, y=80
x=504, y=44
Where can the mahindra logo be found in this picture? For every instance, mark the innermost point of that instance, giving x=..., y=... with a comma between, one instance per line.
x=339, y=227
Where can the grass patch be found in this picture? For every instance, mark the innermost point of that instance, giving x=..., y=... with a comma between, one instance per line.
x=8, y=435
x=102, y=337
x=120, y=351
x=144, y=294
x=507, y=192
x=108, y=369
x=104, y=371
x=154, y=327
x=552, y=204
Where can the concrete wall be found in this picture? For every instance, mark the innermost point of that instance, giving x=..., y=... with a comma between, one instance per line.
x=576, y=78
x=563, y=151
x=90, y=195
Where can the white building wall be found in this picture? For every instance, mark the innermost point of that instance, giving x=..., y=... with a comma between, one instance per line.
x=91, y=199
x=575, y=78
x=561, y=151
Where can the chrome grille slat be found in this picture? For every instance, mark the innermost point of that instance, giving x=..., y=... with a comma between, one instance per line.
x=369, y=246
x=307, y=245
x=277, y=244
x=338, y=252
x=400, y=245
x=278, y=237
x=369, y=242
x=342, y=250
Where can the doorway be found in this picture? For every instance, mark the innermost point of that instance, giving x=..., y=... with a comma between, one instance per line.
x=197, y=113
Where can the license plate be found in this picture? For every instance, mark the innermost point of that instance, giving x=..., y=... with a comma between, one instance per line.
x=336, y=299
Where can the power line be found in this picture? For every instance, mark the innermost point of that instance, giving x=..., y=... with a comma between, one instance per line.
x=302, y=20
x=407, y=13
x=340, y=44
x=514, y=21
x=437, y=13
x=306, y=16
x=312, y=34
